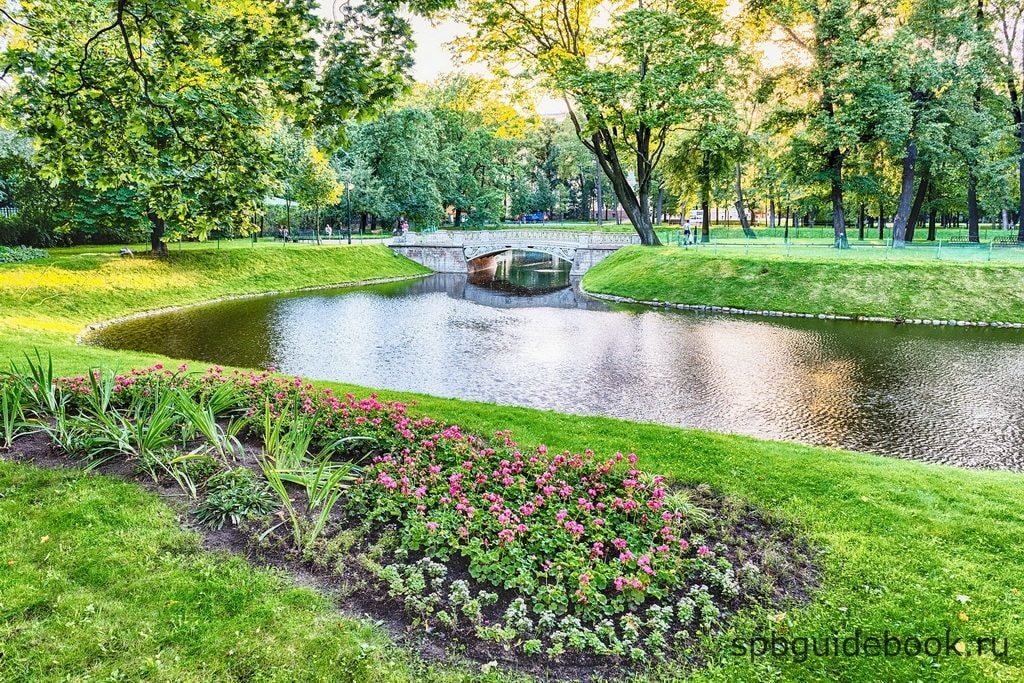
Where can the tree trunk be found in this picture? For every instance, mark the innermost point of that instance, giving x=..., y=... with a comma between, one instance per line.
x=659, y=206
x=771, y=212
x=705, y=198
x=835, y=159
x=157, y=228
x=881, y=219
x=1017, y=99
x=931, y=224
x=973, y=232
x=915, y=209
x=972, y=179
x=860, y=222
x=637, y=205
x=458, y=217
x=899, y=223
x=599, y=190
x=740, y=209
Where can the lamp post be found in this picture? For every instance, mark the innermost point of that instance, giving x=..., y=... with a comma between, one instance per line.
x=348, y=207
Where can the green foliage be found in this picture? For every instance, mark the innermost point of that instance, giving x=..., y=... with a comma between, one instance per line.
x=17, y=254
x=200, y=415
x=12, y=412
x=235, y=495
x=187, y=470
x=288, y=439
x=156, y=100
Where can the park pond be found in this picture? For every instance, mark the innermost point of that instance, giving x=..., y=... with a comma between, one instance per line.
x=518, y=332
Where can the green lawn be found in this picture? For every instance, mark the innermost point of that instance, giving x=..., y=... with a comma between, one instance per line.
x=900, y=540
x=815, y=284
x=46, y=303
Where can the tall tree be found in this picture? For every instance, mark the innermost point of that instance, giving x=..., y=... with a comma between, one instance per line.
x=627, y=80
x=158, y=99
x=833, y=37
x=1008, y=24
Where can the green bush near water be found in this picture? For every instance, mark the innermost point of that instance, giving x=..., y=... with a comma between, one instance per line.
x=19, y=254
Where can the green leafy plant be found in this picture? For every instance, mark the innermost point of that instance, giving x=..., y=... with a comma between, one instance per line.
x=188, y=470
x=40, y=391
x=200, y=418
x=151, y=425
x=235, y=495
x=287, y=439
x=80, y=437
x=12, y=413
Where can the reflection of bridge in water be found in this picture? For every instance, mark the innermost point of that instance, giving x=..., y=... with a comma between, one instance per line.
x=450, y=251
x=457, y=286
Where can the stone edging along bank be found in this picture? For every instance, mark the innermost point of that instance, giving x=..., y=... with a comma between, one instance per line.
x=82, y=337
x=790, y=314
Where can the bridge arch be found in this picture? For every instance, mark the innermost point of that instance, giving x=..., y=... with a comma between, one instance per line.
x=564, y=253
x=450, y=251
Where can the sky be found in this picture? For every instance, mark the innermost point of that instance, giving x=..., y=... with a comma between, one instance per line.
x=434, y=55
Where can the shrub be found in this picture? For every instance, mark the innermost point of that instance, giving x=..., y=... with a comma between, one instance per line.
x=19, y=254
x=235, y=495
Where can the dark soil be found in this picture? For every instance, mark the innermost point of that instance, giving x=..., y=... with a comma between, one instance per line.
x=355, y=596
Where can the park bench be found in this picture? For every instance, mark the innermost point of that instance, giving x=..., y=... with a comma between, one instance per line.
x=959, y=241
x=1007, y=243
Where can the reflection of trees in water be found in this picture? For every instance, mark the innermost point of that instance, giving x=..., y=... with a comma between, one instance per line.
x=520, y=273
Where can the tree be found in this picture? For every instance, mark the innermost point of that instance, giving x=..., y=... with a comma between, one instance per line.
x=366, y=58
x=653, y=67
x=1008, y=24
x=836, y=39
x=159, y=100
x=472, y=150
x=315, y=183
x=398, y=150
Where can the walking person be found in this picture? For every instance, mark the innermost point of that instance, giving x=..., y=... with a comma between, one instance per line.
x=328, y=230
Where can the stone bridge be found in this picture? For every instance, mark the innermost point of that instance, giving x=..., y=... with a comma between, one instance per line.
x=450, y=251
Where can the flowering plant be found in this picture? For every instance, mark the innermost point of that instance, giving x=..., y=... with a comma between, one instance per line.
x=538, y=550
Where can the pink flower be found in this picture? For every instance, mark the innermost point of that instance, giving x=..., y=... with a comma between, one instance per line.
x=703, y=551
x=574, y=528
x=433, y=526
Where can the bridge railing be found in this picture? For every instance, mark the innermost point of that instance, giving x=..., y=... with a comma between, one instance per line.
x=566, y=238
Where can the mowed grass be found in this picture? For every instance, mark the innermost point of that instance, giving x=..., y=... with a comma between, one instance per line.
x=900, y=543
x=848, y=286
x=46, y=303
x=98, y=582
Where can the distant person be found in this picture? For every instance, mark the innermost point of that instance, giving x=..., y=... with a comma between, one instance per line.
x=328, y=230
x=284, y=234
x=686, y=235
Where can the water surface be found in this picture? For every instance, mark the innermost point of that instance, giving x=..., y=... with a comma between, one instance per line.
x=950, y=395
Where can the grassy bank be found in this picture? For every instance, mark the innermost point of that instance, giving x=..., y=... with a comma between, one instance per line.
x=912, y=289
x=46, y=303
x=908, y=549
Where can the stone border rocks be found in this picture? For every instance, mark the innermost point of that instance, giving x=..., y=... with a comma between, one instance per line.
x=791, y=314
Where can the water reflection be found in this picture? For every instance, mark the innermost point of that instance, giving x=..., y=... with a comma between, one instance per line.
x=952, y=395
x=520, y=273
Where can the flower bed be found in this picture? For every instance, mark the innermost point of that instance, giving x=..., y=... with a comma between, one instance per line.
x=537, y=554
